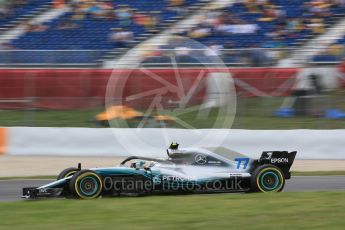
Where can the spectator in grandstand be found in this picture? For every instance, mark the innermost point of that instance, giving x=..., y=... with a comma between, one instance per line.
x=222, y=22
x=67, y=25
x=269, y=14
x=101, y=9
x=212, y=18
x=74, y=3
x=272, y=12
x=176, y=3
x=8, y=6
x=294, y=25
x=108, y=9
x=139, y=18
x=121, y=37
x=251, y=6
x=200, y=31
x=230, y=19
x=279, y=31
x=178, y=6
x=320, y=8
x=316, y=25
x=152, y=21
x=95, y=10
x=79, y=13
x=124, y=14
x=241, y=28
x=36, y=27
x=58, y=3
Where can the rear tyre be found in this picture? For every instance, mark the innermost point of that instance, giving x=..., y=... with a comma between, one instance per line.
x=267, y=178
x=67, y=172
x=86, y=184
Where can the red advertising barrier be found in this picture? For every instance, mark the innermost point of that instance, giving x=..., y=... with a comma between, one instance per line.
x=86, y=88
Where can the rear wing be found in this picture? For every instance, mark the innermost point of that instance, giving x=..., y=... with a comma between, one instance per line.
x=278, y=157
x=281, y=159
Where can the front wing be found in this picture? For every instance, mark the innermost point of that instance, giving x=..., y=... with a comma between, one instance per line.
x=34, y=192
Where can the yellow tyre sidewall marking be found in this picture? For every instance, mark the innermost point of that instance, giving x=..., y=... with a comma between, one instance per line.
x=272, y=169
x=81, y=177
x=70, y=174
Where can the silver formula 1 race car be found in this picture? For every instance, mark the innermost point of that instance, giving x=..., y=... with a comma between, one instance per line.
x=188, y=170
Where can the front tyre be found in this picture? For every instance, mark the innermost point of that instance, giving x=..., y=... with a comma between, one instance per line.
x=67, y=172
x=86, y=184
x=267, y=178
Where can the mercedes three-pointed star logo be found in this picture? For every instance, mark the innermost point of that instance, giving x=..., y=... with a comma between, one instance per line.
x=200, y=159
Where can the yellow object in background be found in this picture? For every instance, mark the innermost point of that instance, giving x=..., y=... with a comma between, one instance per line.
x=118, y=112
x=127, y=113
x=165, y=118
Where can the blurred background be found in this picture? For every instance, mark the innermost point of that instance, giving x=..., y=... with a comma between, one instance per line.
x=285, y=58
x=261, y=67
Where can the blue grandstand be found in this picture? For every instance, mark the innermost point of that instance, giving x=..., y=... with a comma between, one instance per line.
x=15, y=11
x=95, y=29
